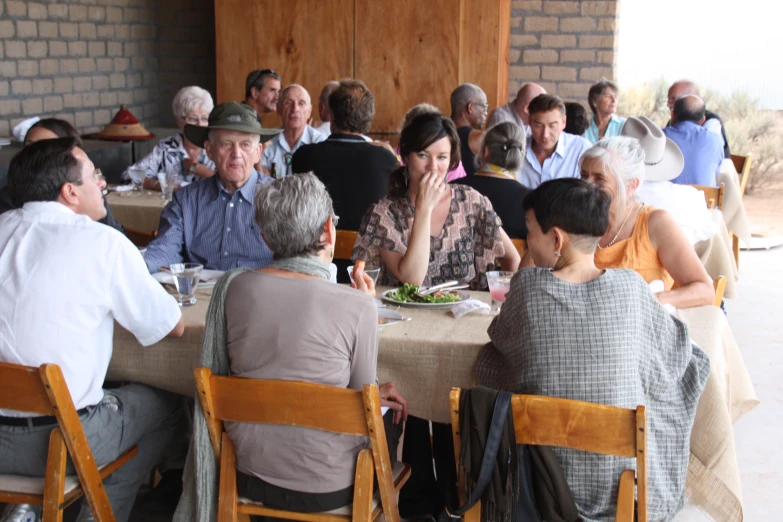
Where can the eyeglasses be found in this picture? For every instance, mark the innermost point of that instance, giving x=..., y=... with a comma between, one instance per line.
x=195, y=120
x=484, y=106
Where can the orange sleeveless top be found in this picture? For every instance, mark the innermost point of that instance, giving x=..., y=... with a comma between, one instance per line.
x=636, y=252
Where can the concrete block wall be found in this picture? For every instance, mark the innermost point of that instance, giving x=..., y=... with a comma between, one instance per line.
x=80, y=59
x=565, y=46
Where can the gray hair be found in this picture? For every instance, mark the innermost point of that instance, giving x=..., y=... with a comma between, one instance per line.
x=292, y=212
x=463, y=95
x=328, y=89
x=189, y=99
x=623, y=157
x=417, y=110
x=506, y=145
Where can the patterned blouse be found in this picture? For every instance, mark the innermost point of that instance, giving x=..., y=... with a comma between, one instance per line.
x=467, y=247
x=167, y=157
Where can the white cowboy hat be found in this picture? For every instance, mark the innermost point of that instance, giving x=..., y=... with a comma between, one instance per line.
x=663, y=160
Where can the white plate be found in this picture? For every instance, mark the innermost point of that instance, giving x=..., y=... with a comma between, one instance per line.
x=431, y=306
x=387, y=316
x=207, y=279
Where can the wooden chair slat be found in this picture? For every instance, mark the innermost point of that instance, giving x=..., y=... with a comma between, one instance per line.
x=363, y=491
x=713, y=196
x=214, y=426
x=290, y=403
x=380, y=452
x=720, y=288
x=21, y=389
x=625, y=497
x=54, y=486
x=227, y=497
x=343, y=247
x=742, y=164
x=520, y=245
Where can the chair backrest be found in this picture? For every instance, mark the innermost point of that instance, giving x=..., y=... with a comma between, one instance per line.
x=712, y=195
x=742, y=165
x=521, y=246
x=138, y=238
x=585, y=426
x=344, y=245
x=720, y=288
x=22, y=389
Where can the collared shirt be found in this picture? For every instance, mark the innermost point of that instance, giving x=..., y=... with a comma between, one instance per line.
x=702, y=150
x=507, y=113
x=685, y=204
x=277, y=156
x=168, y=157
x=207, y=225
x=613, y=129
x=64, y=280
x=563, y=163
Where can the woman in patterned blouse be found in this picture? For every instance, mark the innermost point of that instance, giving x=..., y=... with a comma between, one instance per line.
x=175, y=154
x=427, y=232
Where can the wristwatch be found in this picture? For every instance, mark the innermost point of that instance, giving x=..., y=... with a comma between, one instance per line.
x=192, y=169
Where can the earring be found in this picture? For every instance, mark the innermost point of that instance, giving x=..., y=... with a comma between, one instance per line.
x=557, y=253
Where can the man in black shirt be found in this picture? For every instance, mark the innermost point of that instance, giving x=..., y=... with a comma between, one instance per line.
x=355, y=172
x=469, y=110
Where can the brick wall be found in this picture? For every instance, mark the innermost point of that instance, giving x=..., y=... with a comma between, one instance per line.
x=80, y=59
x=565, y=46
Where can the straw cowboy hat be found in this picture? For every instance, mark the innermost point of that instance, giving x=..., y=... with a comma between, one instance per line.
x=663, y=160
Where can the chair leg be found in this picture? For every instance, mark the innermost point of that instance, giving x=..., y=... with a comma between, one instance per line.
x=363, y=486
x=227, y=500
x=54, y=485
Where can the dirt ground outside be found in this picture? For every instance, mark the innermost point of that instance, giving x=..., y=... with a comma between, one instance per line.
x=765, y=210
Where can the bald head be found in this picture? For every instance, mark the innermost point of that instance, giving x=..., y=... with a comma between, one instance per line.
x=689, y=108
x=323, y=101
x=294, y=107
x=526, y=93
x=681, y=88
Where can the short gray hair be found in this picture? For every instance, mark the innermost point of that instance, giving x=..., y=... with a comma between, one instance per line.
x=506, y=145
x=292, y=212
x=192, y=98
x=463, y=95
x=417, y=110
x=623, y=157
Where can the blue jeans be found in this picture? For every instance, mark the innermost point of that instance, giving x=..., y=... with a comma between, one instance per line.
x=131, y=415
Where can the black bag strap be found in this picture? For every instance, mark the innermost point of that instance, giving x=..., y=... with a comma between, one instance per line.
x=499, y=416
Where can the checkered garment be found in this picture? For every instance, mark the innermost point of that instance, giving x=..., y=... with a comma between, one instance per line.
x=609, y=342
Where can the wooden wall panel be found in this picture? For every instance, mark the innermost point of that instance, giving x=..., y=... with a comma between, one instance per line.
x=407, y=53
x=484, y=47
x=309, y=42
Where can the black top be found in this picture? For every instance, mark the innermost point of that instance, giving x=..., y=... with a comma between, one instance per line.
x=506, y=196
x=726, y=151
x=7, y=203
x=468, y=158
x=356, y=173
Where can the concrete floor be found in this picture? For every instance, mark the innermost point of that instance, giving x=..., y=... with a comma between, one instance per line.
x=756, y=319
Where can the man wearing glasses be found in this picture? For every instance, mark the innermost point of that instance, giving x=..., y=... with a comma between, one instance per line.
x=469, y=109
x=262, y=90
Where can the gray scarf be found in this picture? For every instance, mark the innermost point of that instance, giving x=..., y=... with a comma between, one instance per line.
x=303, y=265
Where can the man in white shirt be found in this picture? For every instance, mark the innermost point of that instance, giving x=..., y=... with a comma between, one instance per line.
x=517, y=109
x=295, y=109
x=551, y=153
x=64, y=280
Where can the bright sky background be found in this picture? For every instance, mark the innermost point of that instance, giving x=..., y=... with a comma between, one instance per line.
x=721, y=44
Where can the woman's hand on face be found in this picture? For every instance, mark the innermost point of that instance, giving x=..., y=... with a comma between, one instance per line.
x=362, y=281
x=431, y=188
x=394, y=400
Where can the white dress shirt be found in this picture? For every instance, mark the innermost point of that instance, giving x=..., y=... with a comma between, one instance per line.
x=277, y=155
x=686, y=205
x=64, y=280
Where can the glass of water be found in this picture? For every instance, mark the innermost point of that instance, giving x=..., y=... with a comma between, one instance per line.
x=137, y=176
x=186, y=276
x=499, y=284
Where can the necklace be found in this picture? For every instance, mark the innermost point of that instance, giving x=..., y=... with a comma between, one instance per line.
x=619, y=229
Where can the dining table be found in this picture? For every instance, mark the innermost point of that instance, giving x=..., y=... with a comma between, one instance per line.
x=432, y=352
x=717, y=256
x=137, y=210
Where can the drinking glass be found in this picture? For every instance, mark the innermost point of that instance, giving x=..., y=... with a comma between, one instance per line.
x=499, y=284
x=186, y=276
x=372, y=272
x=137, y=176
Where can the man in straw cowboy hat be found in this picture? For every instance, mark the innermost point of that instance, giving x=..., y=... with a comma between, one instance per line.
x=664, y=162
x=211, y=222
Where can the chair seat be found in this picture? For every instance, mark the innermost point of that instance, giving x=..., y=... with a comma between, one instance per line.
x=35, y=485
x=398, y=468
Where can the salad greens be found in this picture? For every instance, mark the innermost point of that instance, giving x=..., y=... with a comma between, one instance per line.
x=407, y=294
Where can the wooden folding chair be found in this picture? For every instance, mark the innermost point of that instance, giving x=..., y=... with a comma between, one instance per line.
x=742, y=165
x=43, y=391
x=344, y=244
x=607, y=430
x=138, y=238
x=712, y=195
x=521, y=246
x=306, y=405
x=720, y=288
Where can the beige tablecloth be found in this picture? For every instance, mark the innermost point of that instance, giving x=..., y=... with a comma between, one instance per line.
x=733, y=210
x=425, y=357
x=139, y=211
x=717, y=256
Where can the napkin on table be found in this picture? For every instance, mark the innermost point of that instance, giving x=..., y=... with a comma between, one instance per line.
x=470, y=305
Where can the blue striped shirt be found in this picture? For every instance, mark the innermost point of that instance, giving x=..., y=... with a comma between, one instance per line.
x=207, y=225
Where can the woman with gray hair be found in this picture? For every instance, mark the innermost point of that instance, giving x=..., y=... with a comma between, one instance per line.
x=603, y=99
x=332, y=339
x=176, y=154
x=502, y=154
x=641, y=237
